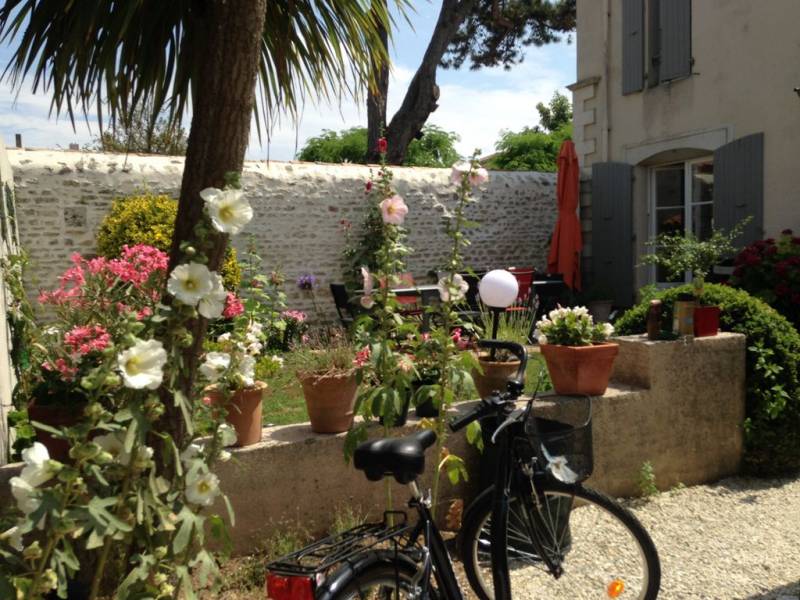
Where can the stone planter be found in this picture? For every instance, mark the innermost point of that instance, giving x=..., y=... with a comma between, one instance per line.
x=244, y=412
x=495, y=375
x=56, y=416
x=580, y=369
x=330, y=400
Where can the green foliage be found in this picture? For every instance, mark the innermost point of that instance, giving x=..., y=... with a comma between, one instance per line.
x=679, y=253
x=556, y=114
x=529, y=150
x=770, y=270
x=647, y=480
x=512, y=326
x=334, y=357
x=772, y=425
x=434, y=149
x=144, y=131
x=150, y=219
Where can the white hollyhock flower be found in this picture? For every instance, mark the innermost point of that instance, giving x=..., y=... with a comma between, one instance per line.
x=247, y=370
x=458, y=171
x=227, y=435
x=14, y=537
x=25, y=494
x=229, y=209
x=224, y=456
x=114, y=444
x=190, y=283
x=142, y=364
x=215, y=365
x=454, y=290
x=225, y=337
x=202, y=489
x=192, y=452
x=212, y=304
x=38, y=467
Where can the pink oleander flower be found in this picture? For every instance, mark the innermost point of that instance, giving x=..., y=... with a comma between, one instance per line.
x=406, y=363
x=233, y=306
x=457, y=337
x=85, y=339
x=393, y=210
x=294, y=315
x=362, y=357
x=67, y=371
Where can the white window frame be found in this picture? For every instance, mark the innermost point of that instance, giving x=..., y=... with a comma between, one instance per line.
x=687, y=210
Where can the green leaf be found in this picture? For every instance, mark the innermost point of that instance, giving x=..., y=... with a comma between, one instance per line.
x=183, y=403
x=188, y=520
x=475, y=435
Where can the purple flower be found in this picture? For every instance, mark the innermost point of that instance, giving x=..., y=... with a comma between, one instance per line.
x=306, y=282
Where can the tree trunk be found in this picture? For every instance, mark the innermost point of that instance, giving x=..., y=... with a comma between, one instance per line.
x=376, y=101
x=222, y=108
x=423, y=93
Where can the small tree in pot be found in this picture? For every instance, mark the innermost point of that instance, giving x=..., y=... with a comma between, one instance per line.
x=677, y=254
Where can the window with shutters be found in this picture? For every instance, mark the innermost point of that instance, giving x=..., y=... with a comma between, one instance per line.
x=682, y=201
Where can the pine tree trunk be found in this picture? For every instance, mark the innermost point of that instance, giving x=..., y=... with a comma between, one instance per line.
x=222, y=109
x=376, y=102
x=423, y=93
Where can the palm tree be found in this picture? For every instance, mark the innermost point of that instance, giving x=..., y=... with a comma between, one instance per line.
x=112, y=56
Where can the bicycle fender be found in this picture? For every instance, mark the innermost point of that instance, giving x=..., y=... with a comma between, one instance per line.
x=352, y=568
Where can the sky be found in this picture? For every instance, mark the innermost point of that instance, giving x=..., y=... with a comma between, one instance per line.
x=477, y=105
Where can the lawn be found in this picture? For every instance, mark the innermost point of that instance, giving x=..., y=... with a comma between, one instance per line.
x=284, y=403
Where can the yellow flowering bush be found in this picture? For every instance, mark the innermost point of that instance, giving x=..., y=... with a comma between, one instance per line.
x=149, y=219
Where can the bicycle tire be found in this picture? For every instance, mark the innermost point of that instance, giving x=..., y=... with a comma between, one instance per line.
x=578, y=542
x=379, y=580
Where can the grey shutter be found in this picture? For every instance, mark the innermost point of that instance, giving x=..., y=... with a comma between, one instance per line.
x=612, y=229
x=675, y=20
x=653, y=43
x=739, y=186
x=632, y=46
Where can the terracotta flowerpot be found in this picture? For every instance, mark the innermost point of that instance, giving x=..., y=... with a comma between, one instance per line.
x=330, y=400
x=706, y=321
x=580, y=369
x=495, y=375
x=58, y=416
x=244, y=412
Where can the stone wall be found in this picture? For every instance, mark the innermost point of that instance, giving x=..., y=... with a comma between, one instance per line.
x=8, y=245
x=62, y=197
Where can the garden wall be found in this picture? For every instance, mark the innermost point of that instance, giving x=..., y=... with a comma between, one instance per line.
x=62, y=196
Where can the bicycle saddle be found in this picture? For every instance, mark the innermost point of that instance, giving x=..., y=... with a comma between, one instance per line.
x=402, y=457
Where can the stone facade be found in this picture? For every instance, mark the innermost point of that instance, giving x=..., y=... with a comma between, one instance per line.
x=8, y=245
x=63, y=196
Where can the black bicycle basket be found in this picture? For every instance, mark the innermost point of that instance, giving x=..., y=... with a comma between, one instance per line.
x=563, y=444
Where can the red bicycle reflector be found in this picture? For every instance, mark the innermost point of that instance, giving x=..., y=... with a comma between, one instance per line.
x=289, y=587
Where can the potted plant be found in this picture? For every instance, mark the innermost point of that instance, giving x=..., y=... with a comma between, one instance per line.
x=579, y=357
x=327, y=374
x=679, y=254
x=514, y=324
x=230, y=367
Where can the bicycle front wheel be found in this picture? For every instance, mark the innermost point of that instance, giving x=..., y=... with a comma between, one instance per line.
x=601, y=548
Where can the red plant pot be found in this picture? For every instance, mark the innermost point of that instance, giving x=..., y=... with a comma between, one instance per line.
x=706, y=321
x=56, y=416
x=580, y=369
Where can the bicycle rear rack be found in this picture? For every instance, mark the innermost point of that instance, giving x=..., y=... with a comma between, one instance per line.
x=321, y=555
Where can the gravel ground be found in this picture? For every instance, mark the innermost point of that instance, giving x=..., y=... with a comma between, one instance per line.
x=736, y=539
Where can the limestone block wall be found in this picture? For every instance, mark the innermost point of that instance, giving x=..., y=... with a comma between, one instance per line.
x=62, y=196
x=8, y=245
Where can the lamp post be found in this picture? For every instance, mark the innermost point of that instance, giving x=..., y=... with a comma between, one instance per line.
x=498, y=290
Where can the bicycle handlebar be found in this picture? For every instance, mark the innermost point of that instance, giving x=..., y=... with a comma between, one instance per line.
x=489, y=405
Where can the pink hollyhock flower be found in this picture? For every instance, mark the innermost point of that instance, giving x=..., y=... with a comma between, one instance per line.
x=457, y=337
x=368, y=187
x=393, y=210
x=383, y=145
x=479, y=176
x=233, y=306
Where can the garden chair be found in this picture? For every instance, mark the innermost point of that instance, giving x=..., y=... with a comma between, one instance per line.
x=345, y=308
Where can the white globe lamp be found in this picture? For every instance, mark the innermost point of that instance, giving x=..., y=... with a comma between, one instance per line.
x=498, y=288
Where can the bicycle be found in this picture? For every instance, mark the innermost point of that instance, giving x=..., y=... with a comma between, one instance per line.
x=536, y=520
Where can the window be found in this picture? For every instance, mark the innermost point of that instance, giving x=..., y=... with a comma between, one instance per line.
x=682, y=200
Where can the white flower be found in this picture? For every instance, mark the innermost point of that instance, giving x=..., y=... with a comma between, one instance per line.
x=25, y=494
x=111, y=443
x=224, y=456
x=458, y=172
x=454, y=290
x=278, y=360
x=227, y=435
x=190, y=283
x=191, y=453
x=247, y=370
x=14, y=537
x=215, y=365
x=142, y=364
x=35, y=455
x=558, y=467
x=479, y=176
x=225, y=337
x=213, y=303
x=229, y=209
x=255, y=348
x=542, y=339
x=608, y=329
x=202, y=489
x=38, y=467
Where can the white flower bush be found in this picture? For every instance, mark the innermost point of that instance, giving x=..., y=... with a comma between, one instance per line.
x=572, y=327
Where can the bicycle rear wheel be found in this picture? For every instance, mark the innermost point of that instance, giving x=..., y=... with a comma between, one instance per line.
x=602, y=548
x=381, y=581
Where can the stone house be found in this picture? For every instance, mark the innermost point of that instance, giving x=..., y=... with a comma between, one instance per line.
x=686, y=117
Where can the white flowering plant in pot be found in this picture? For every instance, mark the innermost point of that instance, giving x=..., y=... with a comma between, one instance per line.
x=572, y=327
x=133, y=490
